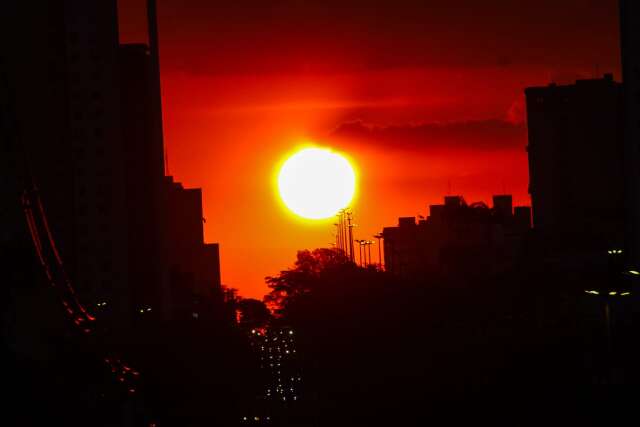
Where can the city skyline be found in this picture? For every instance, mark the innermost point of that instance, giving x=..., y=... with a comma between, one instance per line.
x=305, y=213
x=226, y=94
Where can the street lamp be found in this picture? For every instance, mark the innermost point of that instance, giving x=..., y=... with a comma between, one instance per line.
x=349, y=218
x=379, y=236
x=618, y=286
x=369, y=243
x=360, y=242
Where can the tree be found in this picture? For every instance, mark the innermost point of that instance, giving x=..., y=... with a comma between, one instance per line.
x=253, y=313
x=294, y=284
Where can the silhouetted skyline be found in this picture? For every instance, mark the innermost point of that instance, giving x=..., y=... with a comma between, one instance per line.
x=246, y=82
x=117, y=310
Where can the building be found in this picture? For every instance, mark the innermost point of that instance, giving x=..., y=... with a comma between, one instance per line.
x=457, y=238
x=194, y=265
x=141, y=124
x=85, y=112
x=63, y=75
x=576, y=164
x=630, y=49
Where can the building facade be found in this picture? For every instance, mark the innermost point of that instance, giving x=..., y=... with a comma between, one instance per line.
x=144, y=174
x=630, y=49
x=64, y=78
x=85, y=120
x=194, y=265
x=457, y=238
x=576, y=163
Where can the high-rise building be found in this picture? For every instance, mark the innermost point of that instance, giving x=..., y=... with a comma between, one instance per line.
x=144, y=171
x=576, y=162
x=64, y=79
x=630, y=49
x=88, y=114
x=194, y=265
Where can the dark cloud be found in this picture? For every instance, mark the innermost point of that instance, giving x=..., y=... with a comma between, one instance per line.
x=478, y=135
x=330, y=35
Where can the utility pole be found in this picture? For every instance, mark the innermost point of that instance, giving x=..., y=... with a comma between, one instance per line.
x=351, y=256
x=379, y=236
x=369, y=243
x=363, y=245
x=343, y=232
x=359, y=242
x=339, y=225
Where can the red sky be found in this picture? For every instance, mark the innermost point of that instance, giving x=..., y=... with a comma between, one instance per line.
x=422, y=95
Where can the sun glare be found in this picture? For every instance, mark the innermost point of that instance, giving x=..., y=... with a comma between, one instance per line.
x=315, y=183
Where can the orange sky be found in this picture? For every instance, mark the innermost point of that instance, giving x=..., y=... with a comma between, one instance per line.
x=422, y=97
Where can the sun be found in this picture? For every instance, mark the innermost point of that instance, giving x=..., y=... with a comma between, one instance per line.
x=315, y=183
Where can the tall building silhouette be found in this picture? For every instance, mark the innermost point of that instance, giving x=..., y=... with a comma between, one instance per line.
x=87, y=114
x=194, y=265
x=63, y=75
x=630, y=49
x=144, y=172
x=576, y=163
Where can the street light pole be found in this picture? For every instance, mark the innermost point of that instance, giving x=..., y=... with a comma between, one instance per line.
x=345, y=247
x=359, y=242
x=379, y=236
x=340, y=231
x=364, y=253
x=351, y=257
x=338, y=235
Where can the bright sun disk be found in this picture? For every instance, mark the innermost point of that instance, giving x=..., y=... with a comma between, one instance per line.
x=315, y=183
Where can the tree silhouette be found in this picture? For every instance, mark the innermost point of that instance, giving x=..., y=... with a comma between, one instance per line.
x=294, y=284
x=253, y=313
x=374, y=345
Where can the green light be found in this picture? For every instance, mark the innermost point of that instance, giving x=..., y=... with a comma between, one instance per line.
x=634, y=272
